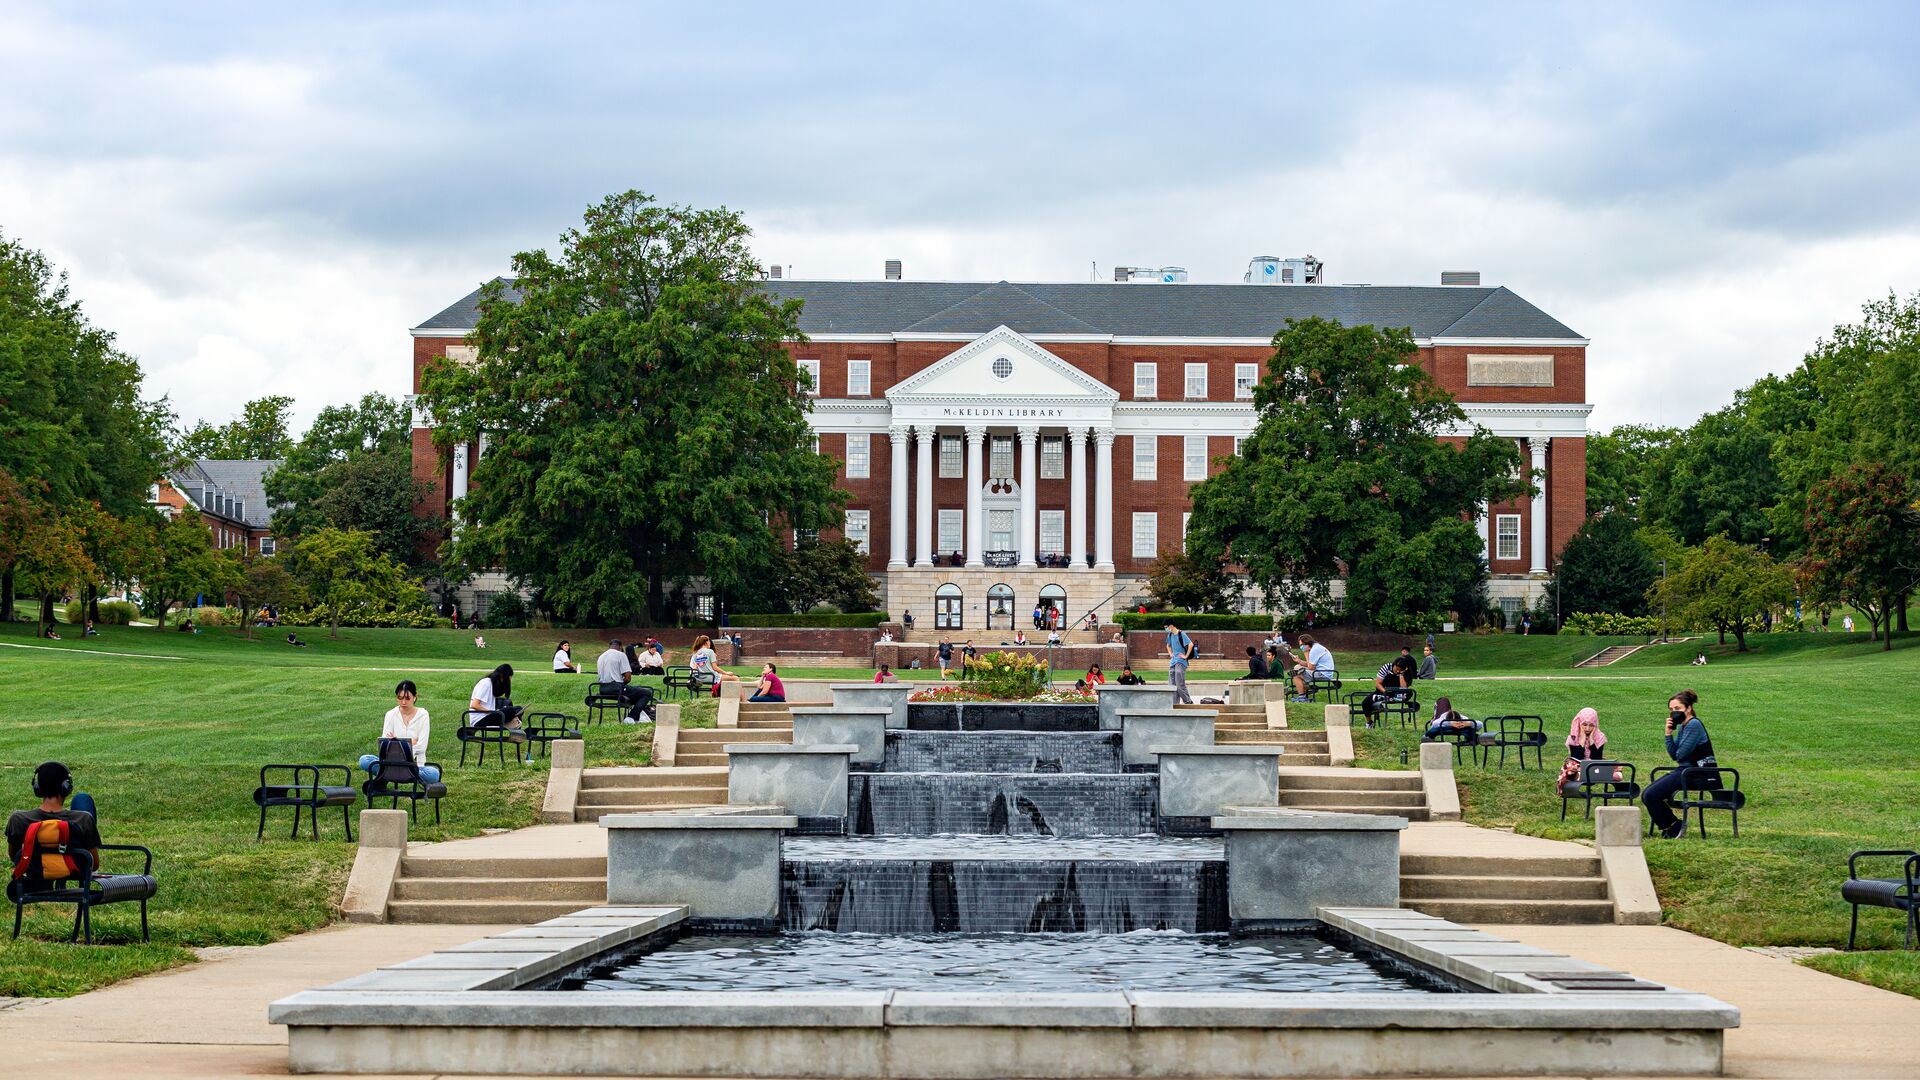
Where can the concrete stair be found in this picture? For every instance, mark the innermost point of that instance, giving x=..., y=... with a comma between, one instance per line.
x=496, y=891
x=1355, y=791
x=626, y=791
x=706, y=747
x=1246, y=725
x=1609, y=655
x=1488, y=889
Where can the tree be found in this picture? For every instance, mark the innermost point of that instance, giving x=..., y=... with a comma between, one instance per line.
x=1863, y=541
x=1186, y=581
x=377, y=425
x=179, y=563
x=642, y=414
x=52, y=560
x=1725, y=585
x=376, y=493
x=1719, y=476
x=1606, y=567
x=1620, y=467
x=829, y=572
x=344, y=569
x=258, y=433
x=1346, y=473
x=261, y=581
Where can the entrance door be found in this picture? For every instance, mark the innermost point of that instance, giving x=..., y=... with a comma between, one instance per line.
x=946, y=608
x=1000, y=607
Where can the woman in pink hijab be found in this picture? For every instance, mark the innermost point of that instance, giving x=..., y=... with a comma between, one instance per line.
x=1585, y=741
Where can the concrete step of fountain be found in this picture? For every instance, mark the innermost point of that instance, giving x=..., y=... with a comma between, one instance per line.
x=1354, y=780
x=1336, y=799
x=593, y=890
x=1551, y=912
x=1447, y=887
x=647, y=776
x=1270, y=736
x=712, y=801
x=721, y=736
x=481, y=912
x=1503, y=866
x=765, y=723
x=702, y=758
x=635, y=790
x=520, y=868
x=653, y=797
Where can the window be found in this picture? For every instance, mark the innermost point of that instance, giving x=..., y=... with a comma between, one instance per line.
x=811, y=369
x=703, y=605
x=1506, y=532
x=266, y=545
x=1512, y=607
x=1238, y=440
x=1184, y=519
x=858, y=456
x=1196, y=382
x=950, y=522
x=859, y=378
x=949, y=456
x=856, y=530
x=1286, y=274
x=1053, y=457
x=816, y=442
x=805, y=536
x=1146, y=536
x=1244, y=377
x=1053, y=532
x=1195, y=457
x=999, y=530
x=1000, y=459
x=1145, y=449
x=1146, y=381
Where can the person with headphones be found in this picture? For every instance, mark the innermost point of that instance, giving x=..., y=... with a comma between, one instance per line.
x=53, y=783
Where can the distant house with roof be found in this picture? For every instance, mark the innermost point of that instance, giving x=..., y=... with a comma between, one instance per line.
x=230, y=496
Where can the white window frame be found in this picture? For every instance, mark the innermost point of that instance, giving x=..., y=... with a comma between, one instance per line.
x=1196, y=380
x=1194, y=464
x=954, y=520
x=1053, y=527
x=859, y=378
x=856, y=529
x=1185, y=517
x=812, y=368
x=1146, y=535
x=1501, y=550
x=266, y=545
x=859, y=455
x=1000, y=457
x=1053, y=457
x=800, y=534
x=1007, y=537
x=1146, y=457
x=1245, y=376
x=1146, y=380
x=952, y=460
x=1238, y=442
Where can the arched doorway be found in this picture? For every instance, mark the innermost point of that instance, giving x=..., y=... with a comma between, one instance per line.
x=1000, y=607
x=946, y=607
x=1053, y=603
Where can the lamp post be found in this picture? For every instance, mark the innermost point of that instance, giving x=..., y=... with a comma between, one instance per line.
x=1663, y=599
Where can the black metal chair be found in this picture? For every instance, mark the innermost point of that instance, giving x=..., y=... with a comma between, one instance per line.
x=677, y=678
x=396, y=777
x=1522, y=733
x=479, y=727
x=1703, y=788
x=1467, y=739
x=303, y=789
x=1603, y=782
x=545, y=728
x=1900, y=894
x=604, y=698
x=74, y=882
x=1324, y=682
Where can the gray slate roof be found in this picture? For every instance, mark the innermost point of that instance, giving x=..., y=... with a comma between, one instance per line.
x=1134, y=310
x=238, y=479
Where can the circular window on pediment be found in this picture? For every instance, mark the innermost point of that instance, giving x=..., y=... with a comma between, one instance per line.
x=1002, y=368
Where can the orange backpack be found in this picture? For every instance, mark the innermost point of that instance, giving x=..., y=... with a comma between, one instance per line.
x=43, y=856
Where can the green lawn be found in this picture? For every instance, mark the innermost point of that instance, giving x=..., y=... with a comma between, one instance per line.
x=168, y=731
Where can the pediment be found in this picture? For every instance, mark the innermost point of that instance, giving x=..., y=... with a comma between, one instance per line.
x=1003, y=364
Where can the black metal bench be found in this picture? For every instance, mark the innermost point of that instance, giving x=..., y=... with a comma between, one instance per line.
x=483, y=735
x=1324, y=682
x=396, y=777
x=677, y=678
x=1468, y=739
x=600, y=701
x=1597, y=783
x=303, y=790
x=1703, y=788
x=1522, y=733
x=1900, y=894
x=543, y=729
x=83, y=888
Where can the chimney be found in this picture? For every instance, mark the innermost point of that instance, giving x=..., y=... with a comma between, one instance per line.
x=773, y=273
x=1459, y=277
x=893, y=269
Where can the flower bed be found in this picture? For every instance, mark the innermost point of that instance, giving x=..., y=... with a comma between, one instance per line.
x=1003, y=676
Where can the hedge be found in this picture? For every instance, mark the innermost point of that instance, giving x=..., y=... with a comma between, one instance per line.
x=855, y=620
x=112, y=612
x=1606, y=624
x=363, y=617
x=1154, y=620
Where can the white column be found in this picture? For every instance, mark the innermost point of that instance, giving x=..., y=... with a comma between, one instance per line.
x=459, y=477
x=897, y=437
x=1029, y=490
x=480, y=450
x=1538, y=445
x=1077, y=506
x=976, y=476
x=1480, y=526
x=923, y=507
x=1103, y=500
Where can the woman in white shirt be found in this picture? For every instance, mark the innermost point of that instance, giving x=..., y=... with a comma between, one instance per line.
x=706, y=664
x=406, y=721
x=563, y=660
x=491, y=702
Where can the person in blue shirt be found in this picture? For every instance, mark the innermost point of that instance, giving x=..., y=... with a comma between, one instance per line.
x=1179, y=651
x=1690, y=747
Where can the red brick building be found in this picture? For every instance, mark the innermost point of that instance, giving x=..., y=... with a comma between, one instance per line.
x=1047, y=434
x=230, y=496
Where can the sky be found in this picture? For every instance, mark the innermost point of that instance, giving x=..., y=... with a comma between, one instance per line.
x=262, y=199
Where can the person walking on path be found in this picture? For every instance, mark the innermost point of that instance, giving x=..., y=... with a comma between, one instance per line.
x=1179, y=651
x=1690, y=748
x=946, y=656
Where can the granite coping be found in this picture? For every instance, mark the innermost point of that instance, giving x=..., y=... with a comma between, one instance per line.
x=783, y=748
x=1249, y=750
x=1271, y=818
x=699, y=821
x=1208, y=713
x=839, y=710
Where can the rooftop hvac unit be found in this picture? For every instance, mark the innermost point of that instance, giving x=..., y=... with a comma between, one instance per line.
x=1150, y=275
x=893, y=269
x=1269, y=270
x=1459, y=277
x=773, y=273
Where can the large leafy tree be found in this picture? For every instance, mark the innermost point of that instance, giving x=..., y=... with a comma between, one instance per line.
x=52, y=560
x=260, y=581
x=1726, y=585
x=1719, y=477
x=1863, y=541
x=1620, y=467
x=642, y=416
x=1347, y=473
x=1606, y=567
x=1184, y=580
x=258, y=433
x=178, y=562
x=344, y=569
x=375, y=427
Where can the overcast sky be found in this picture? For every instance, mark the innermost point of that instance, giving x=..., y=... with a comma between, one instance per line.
x=262, y=198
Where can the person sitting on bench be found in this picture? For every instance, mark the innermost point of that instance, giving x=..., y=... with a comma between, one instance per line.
x=1690, y=747
x=1446, y=722
x=490, y=697
x=1390, y=683
x=613, y=670
x=770, y=688
x=1317, y=667
x=651, y=661
x=1585, y=740
x=405, y=721
x=52, y=782
x=1128, y=677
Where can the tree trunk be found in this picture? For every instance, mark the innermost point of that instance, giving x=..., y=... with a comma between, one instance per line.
x=246, y=619
x=1886, y=606
x=1739, y=637
x=46, y=612
x=93, y=602
x=162, y=607
x=1722, y=627
x=6, y=595
x=333, y=627
x=1900, y=610
x=656, y=595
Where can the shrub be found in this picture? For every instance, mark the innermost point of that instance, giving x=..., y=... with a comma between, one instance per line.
x=1606, y=624
x=1005, y=676
x=1154, y=620
x=505, y=611
x=213, y=616
x=859, y=620
x=415, y=619
x=112, y=612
